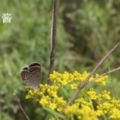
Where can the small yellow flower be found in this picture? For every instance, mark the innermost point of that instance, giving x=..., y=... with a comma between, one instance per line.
x=52, y=106
x=101, y=79
x=45, y=100
x=115, y=113
x=72, y=109
x=99, y=112
x=106, y=95
x=87, y=113
x=115, y=102
x=74, y=86
x=92, y=94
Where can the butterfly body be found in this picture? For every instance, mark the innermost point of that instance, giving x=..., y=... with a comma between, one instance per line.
x=31, y=75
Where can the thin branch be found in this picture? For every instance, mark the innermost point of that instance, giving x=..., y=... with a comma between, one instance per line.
x=83, y=84
x=53, y=36
x=23, y=111
x=52, y=41
x=103, y=74
x=111, y=71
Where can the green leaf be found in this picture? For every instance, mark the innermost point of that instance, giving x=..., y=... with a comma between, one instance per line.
x=56, y=114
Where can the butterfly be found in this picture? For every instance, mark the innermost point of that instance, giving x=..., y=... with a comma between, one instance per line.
x=31, y=75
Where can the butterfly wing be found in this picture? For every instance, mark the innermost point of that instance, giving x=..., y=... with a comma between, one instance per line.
x=25, y=75
x=32, y=75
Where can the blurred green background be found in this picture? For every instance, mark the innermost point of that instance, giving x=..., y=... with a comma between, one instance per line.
x=86, y=30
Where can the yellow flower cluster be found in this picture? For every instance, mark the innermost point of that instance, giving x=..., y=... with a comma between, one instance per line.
x=90, y=105
x=75, y=78
x=104, y=95
x=47, y=96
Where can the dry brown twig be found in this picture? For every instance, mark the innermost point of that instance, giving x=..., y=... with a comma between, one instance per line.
x=53, y=35
x=22, y=110
x=52, y=41
x=103, y=74
x=86, y=81
x=111, y=71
